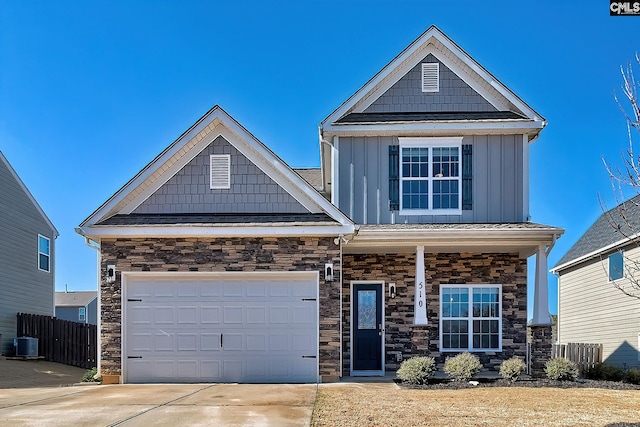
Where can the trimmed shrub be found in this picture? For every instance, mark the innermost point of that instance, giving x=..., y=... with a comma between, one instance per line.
x=462, y=367
x=511, y=369
x=416, y=370
x=561, y=369
x=633, y=376
x=604, y=372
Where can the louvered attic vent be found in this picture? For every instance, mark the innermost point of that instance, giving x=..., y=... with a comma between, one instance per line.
x=431, y=77
x=220, y=171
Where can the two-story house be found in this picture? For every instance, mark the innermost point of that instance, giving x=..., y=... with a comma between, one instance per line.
x=27, y=255
x=221, y=263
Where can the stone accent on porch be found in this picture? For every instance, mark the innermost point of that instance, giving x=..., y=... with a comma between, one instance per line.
x=541, y=346
x=402, y=338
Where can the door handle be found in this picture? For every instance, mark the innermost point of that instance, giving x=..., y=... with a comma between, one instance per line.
x=221, y=340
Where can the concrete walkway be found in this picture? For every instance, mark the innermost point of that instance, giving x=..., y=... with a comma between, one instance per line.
x=159, y=405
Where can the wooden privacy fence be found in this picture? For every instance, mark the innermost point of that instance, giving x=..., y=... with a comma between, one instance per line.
x=62, y=341
x=584, y=355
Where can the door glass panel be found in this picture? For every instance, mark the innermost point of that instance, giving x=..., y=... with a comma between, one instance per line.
x=366, y=309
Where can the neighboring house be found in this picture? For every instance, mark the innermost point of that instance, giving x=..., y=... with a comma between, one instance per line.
x=81, y=306
x=591, y=309
x=218, y=262
x=27, y=255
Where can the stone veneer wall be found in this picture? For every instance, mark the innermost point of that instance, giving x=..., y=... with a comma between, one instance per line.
x=541, y=346
x=237, y=254
x=402, y=338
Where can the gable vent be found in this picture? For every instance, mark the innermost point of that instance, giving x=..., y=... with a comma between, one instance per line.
x=220, y=171
x=431, y=77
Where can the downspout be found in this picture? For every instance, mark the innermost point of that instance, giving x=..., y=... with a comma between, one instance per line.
x=96, y=246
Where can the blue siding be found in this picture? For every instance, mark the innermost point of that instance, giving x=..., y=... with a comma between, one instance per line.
x=406, y=94
x=252, y=191
x=497, y=181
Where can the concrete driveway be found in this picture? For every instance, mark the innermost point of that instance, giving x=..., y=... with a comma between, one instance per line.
x=159, y=405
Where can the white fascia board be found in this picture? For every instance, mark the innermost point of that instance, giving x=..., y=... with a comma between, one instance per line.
x=213, y=231
x=26, y=191
x=408, y=58
x=414, y=59
x=598, y=252
x=217, y=123
x=171, y=151
x=441, y=127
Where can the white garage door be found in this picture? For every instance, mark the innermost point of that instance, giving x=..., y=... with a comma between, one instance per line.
x=224, y=327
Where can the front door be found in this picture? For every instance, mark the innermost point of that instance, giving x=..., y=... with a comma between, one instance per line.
x=367, y=329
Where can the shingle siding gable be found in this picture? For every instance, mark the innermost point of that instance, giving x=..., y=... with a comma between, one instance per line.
x=252, y=191
x=406, y=94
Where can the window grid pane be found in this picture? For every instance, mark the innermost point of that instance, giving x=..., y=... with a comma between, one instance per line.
x=616, y=266
x=478, y=329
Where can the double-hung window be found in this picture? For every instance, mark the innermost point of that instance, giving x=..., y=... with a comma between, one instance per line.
x=82, y=314
x=44, y=253
x=430, y=176
x=470, y=317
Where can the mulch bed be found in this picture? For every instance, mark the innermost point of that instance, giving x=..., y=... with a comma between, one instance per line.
x=446, y=384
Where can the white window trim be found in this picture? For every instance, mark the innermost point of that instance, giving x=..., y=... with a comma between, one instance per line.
x=470, y=319
x=610, y=280
x=430, y=77
x=42, y=253
x=220, y=160
x=82, y=314
x=454, y=141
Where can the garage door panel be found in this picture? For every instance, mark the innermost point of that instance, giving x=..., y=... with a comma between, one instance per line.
x=229, y=329
x=233, y=314
x=210, y=314
x=188, y=315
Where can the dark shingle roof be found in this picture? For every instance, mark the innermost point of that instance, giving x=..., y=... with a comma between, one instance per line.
x=74, y=299
x=312, y=175
x=613, y=226
x=429, y=117
x=206, y=218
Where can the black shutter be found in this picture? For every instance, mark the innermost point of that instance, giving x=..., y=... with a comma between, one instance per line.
x=467, y=175
x=394, y=178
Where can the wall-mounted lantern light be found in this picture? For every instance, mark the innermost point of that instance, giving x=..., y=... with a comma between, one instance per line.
x=392, y=290
x=328, y=272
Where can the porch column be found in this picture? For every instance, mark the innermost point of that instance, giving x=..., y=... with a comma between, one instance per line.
x=541, y=316
x=420, y=300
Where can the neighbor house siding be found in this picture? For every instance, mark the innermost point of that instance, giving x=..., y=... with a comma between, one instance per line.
x=233, y=254
x=23, y=287
x=497, y=182
x=591, y=310
x=402, y=338
x=406, y=94
x=252, y=191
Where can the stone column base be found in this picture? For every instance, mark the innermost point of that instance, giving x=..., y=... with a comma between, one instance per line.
x=540, y=349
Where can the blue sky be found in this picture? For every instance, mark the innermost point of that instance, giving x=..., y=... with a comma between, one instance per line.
x=90, y=92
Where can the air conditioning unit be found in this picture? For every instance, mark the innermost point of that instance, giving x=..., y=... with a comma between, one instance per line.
x=27, y=347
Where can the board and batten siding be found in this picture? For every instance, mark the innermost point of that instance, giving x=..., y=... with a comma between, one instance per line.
x=591, y=310
x=23, y=287
x=252, y=191
x=498, y=177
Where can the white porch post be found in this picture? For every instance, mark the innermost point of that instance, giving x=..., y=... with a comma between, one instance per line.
x=541, y=314
x=420, y=300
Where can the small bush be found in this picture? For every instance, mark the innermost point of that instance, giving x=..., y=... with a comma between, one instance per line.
x=633, y=376
x=604, y=372
x=416, y=370
x=462, y=367
x=511, y=369
x=91, y=376
x=561, y=369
